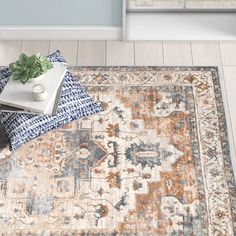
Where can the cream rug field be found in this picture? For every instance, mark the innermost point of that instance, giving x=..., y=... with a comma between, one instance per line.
x=156, y=161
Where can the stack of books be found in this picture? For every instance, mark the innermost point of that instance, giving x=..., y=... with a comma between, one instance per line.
x=17, y=97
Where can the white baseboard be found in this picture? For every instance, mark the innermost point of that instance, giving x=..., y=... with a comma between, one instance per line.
x=60, y=33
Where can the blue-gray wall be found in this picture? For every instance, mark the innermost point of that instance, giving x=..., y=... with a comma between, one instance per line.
x=61, y=12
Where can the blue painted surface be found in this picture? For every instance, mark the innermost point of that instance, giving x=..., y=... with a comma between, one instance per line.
x=61, y=12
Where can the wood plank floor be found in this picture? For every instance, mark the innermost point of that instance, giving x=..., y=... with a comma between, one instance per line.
x=116, y=53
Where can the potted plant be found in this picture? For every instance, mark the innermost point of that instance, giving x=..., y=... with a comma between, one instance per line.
x=30, y=68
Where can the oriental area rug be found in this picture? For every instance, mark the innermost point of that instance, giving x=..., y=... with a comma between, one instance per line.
x=156, y=161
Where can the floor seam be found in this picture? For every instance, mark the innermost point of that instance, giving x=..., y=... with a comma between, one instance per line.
x=163, y=54
x=191, y=49
x=77, y=53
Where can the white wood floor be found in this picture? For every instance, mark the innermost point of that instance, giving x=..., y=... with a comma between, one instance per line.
x=116, y=53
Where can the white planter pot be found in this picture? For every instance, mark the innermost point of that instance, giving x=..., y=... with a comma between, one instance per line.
x=37, y=79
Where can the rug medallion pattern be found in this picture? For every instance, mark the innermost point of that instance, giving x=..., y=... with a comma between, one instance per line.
x=155, y=162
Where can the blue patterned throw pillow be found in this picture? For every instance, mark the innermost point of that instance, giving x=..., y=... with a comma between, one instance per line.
x=74, y=103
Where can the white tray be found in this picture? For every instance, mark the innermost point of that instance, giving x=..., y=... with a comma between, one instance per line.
x=18, y=95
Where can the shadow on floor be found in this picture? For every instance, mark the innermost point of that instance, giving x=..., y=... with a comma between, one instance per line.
x=3, y=139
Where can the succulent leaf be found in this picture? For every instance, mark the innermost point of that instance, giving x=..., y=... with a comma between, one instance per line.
x=23, y=58
x=23, y=78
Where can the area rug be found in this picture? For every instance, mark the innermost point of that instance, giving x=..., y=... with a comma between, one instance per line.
x=156, y=161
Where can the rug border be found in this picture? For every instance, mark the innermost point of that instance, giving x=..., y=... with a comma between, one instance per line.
x=225, y=143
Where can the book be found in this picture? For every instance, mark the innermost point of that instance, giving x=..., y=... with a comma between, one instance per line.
x=16, y=95
x=52, y=109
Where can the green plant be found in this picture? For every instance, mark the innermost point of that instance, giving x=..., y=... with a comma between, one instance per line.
x=27, y=68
